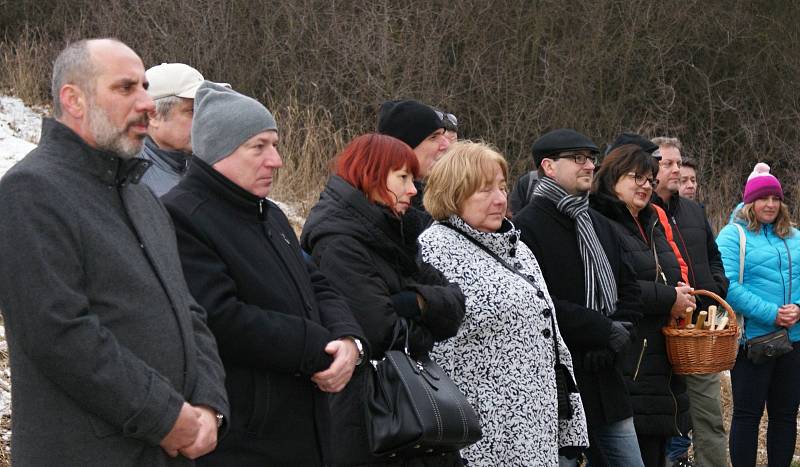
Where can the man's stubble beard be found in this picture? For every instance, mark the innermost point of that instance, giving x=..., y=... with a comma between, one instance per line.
x=109, y=138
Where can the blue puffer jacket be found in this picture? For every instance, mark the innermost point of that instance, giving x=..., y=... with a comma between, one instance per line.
x=766, y=282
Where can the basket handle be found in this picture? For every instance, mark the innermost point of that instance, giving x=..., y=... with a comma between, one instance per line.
x=732, y=321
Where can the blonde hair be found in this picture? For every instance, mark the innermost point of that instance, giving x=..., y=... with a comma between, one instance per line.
x=463, y=170
x=667, y=141
x=782, y=225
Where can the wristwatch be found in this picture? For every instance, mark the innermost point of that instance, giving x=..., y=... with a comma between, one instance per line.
x=360, y=348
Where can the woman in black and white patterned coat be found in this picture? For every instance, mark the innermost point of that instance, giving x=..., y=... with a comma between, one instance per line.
x=504, y=354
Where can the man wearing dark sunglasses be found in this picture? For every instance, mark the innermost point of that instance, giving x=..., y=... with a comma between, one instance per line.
x=594, y=290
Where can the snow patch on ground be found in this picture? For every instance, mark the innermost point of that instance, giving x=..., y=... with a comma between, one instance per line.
x=20, y=128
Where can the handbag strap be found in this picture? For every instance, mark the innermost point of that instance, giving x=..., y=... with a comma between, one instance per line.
x=503, y=262
x=742, y=247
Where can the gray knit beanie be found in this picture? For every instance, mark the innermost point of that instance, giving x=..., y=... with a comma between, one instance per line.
x=223, y=120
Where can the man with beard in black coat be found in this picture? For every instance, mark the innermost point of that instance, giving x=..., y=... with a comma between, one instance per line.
x=593, y=288
x=695, y=240
x=285, y=336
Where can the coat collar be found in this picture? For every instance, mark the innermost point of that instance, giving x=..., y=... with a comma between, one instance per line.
x=108, y=167
x=670, y=206
x=205, y=178
x=503, y=242
x=177, y=161
x=344, y=209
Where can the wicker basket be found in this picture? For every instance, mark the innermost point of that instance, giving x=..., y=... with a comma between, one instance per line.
x=694, y=351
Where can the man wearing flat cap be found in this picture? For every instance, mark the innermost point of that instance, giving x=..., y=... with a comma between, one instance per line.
x=594, y=289
x=168, y=144
x=286, y=338
x=424, y=129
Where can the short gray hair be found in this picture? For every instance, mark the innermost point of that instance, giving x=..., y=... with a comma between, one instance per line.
x=165, y=105
x=667, y=141
x=72, y=66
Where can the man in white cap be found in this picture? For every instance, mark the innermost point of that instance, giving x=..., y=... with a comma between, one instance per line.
x=169, y=136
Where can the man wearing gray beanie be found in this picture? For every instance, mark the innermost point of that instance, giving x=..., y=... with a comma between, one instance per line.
x=285, y=336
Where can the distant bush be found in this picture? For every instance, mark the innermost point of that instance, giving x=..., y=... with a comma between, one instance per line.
x=720, y=75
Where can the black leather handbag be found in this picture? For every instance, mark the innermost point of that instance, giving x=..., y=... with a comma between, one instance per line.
x=413, y=408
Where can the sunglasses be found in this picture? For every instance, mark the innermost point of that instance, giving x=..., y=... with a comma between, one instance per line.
x=450, y=121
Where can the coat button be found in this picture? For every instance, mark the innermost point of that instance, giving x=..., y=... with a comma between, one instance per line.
x=546, y=333
x=540, y=294
x=546, y=312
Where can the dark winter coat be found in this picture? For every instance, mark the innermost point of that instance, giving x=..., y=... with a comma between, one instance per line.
x=660, y=402
x=695, y=240
x=522, y=194
x=370, y=257
x=417, y=215
x=106, y=342
x=271, y=312
x=552, y=237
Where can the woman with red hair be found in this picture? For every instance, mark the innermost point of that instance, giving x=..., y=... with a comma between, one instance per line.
x=359, y=237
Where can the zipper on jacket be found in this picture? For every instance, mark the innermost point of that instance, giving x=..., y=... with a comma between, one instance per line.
x=639, y=361
x=780, y=264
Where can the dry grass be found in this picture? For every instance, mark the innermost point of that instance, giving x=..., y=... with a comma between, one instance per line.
x=309, y=141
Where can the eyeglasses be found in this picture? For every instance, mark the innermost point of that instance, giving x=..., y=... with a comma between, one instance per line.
x=641, y=179
x=579, y=157
x=450, y=121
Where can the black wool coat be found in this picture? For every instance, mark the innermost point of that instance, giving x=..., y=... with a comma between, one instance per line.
x=272, y=313
x=660, y=402
x=106, y=342
x=370, y=257
x=552, y=237
x=696, y=242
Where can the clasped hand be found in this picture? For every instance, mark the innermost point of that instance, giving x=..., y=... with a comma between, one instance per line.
x=194, y=433
x=683, y=300
x=336, y=377
x=787, y=315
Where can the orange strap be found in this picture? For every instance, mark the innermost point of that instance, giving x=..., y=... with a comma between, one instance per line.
x=662, y=218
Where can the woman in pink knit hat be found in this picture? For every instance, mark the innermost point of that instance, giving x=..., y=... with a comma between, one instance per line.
x=765, y=293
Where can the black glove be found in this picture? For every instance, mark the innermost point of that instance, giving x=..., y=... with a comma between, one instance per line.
x=597, y=360
x=620, y=335
x=405, y=304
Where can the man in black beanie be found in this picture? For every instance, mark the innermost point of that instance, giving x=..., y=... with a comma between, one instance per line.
x=422, y=128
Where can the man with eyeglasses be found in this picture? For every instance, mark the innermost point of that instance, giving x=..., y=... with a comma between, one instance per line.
x=424, y=129
x=695, y=240
x=594, y=290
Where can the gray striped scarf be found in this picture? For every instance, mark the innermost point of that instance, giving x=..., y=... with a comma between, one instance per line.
x=600, y=285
